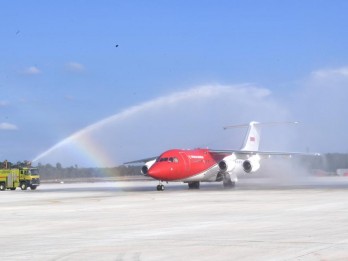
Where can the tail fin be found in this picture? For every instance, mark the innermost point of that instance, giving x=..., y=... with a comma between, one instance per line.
x=252, y=138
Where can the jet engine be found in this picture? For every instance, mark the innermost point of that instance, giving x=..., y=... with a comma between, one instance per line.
x=252, y=164
x=147, y=166
x=228, y=163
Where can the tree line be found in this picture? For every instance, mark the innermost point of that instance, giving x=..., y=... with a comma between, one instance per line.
x=329, y=162
x=49, y=172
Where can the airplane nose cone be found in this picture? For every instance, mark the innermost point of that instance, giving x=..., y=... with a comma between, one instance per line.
x=155, y=172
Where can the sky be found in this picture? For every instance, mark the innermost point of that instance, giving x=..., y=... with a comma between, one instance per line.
x=97, y=83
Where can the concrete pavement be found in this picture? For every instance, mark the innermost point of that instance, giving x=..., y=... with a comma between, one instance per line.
x=260, y=220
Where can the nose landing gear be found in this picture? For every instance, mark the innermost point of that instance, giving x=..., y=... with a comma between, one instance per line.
x=160, y=187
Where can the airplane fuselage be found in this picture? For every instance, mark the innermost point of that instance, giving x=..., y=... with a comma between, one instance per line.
x=186, y=165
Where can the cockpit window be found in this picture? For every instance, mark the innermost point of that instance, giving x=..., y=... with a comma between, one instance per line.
x=170, y=159
x=173, y=159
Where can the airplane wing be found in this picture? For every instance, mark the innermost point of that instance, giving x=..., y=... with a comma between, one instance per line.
x=265, y=154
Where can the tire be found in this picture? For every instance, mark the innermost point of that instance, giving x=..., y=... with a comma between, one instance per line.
x=2, y=186
x=194, y=185
x=24, y=186
x=160, y=187
x=229, y=184
x=13, y=188
x=33, y=187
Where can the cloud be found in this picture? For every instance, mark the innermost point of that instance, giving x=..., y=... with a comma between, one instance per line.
x=75, y=67
x=330, y=73
x=8, y=126
x=32, y=70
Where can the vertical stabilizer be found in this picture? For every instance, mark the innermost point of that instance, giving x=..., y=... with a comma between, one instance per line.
x=252, y=138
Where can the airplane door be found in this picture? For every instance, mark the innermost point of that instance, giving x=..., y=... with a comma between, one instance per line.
x=186, y=161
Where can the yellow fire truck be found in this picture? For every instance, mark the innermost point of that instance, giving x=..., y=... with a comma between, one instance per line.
x=23, y=177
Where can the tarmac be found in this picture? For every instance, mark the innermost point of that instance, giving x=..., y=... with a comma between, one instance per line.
x=261, y=219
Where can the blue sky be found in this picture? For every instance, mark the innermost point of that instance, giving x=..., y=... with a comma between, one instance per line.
x=60, y=69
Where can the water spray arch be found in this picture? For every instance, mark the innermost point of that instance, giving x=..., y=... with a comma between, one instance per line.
x=182, y=119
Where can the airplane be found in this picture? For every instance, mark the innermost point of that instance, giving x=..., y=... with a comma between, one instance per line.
x=206, y=165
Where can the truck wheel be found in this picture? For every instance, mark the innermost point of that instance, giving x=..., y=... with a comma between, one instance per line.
x=2, y=186
x=13, y=188
x=33, y=187
x=24, y=186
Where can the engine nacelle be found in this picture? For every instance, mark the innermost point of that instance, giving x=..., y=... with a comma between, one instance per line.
x=252, y=164
x=228, y=163
x=147, y=166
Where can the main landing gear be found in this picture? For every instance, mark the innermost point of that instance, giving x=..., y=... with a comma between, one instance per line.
x=227, y=182
x=160, y=187
x=194, y=185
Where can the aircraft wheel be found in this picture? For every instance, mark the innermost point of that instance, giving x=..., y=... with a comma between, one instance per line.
x=24, y=186
x=160, y=187
x=193, y=185
x=229, y=184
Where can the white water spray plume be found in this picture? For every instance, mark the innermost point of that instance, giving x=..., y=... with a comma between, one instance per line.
x=195, y=117
x=186, y=119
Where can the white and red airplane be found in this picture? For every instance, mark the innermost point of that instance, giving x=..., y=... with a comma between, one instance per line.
x=206, y=165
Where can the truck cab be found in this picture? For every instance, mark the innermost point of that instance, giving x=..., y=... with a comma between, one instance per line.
x=29, y=177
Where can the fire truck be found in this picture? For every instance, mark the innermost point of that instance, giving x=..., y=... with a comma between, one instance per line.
x=12, y=177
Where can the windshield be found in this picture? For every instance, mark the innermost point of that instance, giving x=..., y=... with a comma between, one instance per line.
x=171, y=159
x=33, y=172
